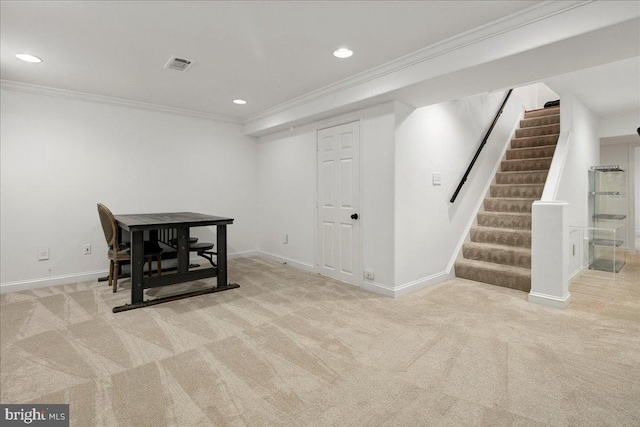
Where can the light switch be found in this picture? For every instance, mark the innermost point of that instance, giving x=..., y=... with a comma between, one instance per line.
x=437, y=178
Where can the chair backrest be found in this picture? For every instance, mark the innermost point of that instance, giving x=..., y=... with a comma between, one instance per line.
x=109, y=225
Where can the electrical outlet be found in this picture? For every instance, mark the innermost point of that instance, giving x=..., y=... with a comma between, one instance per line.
x=86, y=249
x=43, y=254
x=437, y=178
x=368, y=274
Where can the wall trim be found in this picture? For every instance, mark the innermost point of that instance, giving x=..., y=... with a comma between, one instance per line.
x=25, y=285
x=503, y=25
x=289, y=261
x=407, y=288
x=416, y=285
x=578, y=273
x=107, y=100
x=244, y=254
x=65, y=279
x=550, y=300
x=378, y=288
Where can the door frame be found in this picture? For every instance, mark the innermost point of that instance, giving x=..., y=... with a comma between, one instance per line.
x=324, y=124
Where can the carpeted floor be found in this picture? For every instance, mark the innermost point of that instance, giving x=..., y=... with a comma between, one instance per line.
x=294, y=348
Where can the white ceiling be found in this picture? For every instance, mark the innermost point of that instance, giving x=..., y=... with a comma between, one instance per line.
x=278, y=54
x=266, y=52
x=608, y=89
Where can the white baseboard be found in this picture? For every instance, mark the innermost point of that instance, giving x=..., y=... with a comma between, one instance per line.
x=407, y=288
x=45, y=282
x=416, y=285
x=24, y=285
x=289, y=261
x=550, y=300
x=378, y=288
x=245, y=254
x=576, y=274
x=368, y=285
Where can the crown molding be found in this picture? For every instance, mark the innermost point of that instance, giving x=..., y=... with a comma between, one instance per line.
x=107, y=100
x=504, y=25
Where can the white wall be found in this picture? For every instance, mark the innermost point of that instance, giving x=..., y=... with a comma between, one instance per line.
x=410, y=231
x=59, y=157
x=637, y=191
x=545, y=94
x=558, y=251
x=287, y=195
x=443, y=139
x=619, y=124
x=582, y=152
x=287, y=192
x=623, y=154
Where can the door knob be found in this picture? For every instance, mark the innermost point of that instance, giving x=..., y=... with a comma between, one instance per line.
x=354, y=216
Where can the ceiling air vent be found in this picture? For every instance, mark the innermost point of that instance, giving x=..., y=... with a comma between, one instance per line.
x=180, y=64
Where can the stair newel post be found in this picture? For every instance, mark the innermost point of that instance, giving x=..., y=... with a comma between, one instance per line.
x=549, y=249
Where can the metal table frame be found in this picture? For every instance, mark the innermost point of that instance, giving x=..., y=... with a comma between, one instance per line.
x=137, y=224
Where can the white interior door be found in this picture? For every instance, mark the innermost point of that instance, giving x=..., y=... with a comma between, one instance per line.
x=339, y=202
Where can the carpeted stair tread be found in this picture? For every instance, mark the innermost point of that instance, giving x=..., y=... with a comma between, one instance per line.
x=535, y=141
x=517, y=190
x=539, y=164
x=518, y=220
x=538, y=130
x=501, y=236
x=497, y=274
x=522, y=177
x=531, y=152
x=541, y=112
x=550, y=119
x=498, y=254
x=504, y=204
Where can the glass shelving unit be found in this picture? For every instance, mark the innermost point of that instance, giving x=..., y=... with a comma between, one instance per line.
x=602, y=248
x=606, y=234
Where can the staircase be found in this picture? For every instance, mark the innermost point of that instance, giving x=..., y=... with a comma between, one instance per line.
x=500, y=248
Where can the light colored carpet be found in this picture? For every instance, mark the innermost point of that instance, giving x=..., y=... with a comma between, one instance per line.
x=293, y=348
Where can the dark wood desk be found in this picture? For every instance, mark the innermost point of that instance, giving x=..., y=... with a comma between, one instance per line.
x=137, y=224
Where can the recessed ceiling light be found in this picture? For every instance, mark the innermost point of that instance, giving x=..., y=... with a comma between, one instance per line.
x=28, y=58
x=239, y=101
x=342, y=53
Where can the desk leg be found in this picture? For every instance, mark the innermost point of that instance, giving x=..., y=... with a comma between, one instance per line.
x=137, y=266
x=137, y=272
x=183, y=250
x=222, y=255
